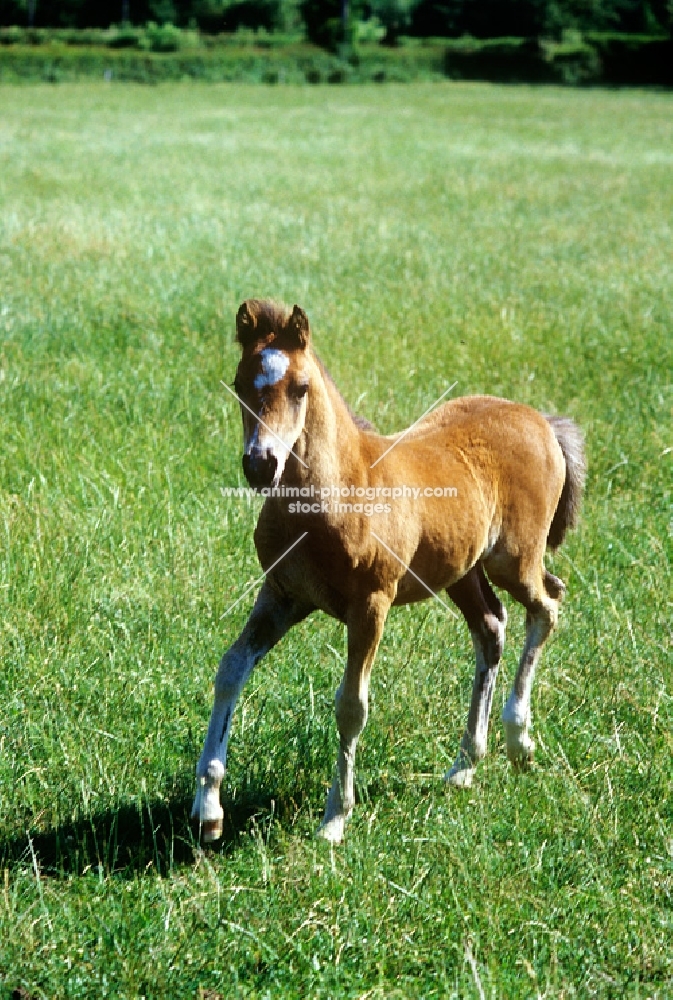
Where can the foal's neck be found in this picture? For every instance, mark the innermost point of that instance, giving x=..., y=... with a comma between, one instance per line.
x=331, y=439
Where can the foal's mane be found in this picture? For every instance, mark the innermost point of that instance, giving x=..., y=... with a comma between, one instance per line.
x=361, y=422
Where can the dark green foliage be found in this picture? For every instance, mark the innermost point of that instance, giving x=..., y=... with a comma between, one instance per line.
x=509, y=60
x=436, y=19
x=519, y=60
x=216, y=17
x=324, y=22
x=210, y=15
x=607, y=59
x=164, y=11
x=331, y=23
x=126, y=38
x=163, y=37
x=636, y=61
x=525, y=18
x=250, y=63
x=162, y=52
x=393, y=15
x=573, y=62
x=479, y=18
x=75, y=13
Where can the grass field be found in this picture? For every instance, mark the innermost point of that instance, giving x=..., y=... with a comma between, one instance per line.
x=517, y=240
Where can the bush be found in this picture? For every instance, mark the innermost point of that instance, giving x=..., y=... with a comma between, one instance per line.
x=324, y=24
x=165, y=53
x=369, y=32
x=295, y=63
x=11, y=36
x=507, y=60
x=493, y=19
x=126, y=37
x=632, y=60
x=433, y=19
x=577, y=65
x=611, y=59
x=394, y=17
x=163, y=37
x=215, y=18
x=258, y=14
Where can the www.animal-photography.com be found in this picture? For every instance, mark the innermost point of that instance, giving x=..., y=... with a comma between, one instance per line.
x=335, y=500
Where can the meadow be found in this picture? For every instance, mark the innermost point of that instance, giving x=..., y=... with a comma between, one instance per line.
x=515, y=240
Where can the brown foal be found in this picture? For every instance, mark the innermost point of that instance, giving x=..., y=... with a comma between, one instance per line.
x=355, y=522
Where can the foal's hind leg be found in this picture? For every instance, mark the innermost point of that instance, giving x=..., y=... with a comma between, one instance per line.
x=269, y=620
x=486, y=618
x=540, y=596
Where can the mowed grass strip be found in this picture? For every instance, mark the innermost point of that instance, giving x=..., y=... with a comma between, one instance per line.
x=517, y=240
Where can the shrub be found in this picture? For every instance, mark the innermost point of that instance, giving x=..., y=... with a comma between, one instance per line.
x=164, y=53
x=259, y=14
x=125, y=37
x=481, y=18
x=324, y=24
x=217, y=17
x=369, y=32
x=573, y=62
x=508, y=60
x=394, y=16
x=11, y=36
x=634, y=60
x=163, y=37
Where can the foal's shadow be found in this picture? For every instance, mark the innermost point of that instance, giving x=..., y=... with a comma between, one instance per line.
x=133, y=838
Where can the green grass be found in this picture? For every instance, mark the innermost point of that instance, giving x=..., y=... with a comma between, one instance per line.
x=515, y=240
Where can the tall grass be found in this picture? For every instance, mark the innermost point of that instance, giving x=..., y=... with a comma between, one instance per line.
x=515, y=240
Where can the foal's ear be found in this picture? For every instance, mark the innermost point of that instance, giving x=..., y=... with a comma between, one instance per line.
x=298, y=327
x=245, y=324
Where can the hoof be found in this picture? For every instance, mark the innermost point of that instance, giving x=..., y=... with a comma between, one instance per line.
x=459, y=776
x=207, y=813
x=522, y=764
x=332, y=830
x=522, y=754
x=520, y=747
x=211, y=831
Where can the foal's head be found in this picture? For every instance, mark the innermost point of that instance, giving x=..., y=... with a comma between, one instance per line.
x=272, y=381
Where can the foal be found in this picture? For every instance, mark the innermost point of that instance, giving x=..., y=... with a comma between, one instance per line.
x=514, y=480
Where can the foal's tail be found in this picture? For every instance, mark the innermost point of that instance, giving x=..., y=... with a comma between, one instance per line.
x=570, y=438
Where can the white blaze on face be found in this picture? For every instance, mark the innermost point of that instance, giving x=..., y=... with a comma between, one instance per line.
x=274, y=365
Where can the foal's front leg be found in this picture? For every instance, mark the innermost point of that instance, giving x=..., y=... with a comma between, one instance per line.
x=269, y=620
x=365, y=622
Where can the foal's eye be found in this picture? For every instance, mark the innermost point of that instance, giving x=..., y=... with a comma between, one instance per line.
x=299, y=391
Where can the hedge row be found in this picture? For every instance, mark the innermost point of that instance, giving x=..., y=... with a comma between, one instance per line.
x=613, y=60
x=598, y=59
x=150, y=37
x=300, y=63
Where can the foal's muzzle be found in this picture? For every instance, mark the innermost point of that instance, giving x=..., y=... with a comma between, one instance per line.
x=259, y=467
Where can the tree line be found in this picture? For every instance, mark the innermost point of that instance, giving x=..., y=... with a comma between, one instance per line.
x=328, y=22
